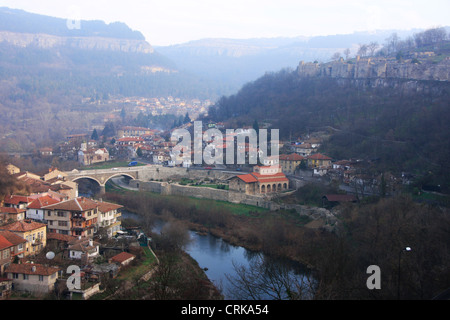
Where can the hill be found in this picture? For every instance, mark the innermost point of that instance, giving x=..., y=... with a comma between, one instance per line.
x=233, y=62
x=399, y=121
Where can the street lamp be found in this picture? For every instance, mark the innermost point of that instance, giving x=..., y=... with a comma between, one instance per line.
x=406, y=249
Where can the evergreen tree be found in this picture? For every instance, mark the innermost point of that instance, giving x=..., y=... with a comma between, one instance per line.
x=94, y=135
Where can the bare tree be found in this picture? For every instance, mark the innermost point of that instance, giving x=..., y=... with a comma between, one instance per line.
x=372, y=47
x=362, y=51
x=265, y=279
x=336, y=56
x=347, y=53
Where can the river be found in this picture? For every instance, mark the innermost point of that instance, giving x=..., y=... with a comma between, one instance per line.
x=218, y=258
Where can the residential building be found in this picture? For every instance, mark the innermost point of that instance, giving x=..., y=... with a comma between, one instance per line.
x=84, y=249
x=133, y=132
x=290, y=162
x=8, y=214
x=17, y=201
x=123, y=258
x=5, y=288
x=108, y=217
x=35, y=209
x=11, y=245
x=30, y=277
x=34, y=233
x=75, y=217
x=91, y=156
x=319, y=160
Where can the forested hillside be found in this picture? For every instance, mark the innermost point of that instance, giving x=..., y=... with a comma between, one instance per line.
x=403, y=130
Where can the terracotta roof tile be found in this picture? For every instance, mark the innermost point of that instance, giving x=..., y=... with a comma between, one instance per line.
x=31, y=268
x=121, y=257
x=22, y=226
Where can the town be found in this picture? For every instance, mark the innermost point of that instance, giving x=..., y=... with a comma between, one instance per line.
x=52, y=227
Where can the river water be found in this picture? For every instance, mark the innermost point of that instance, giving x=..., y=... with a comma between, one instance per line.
x=219, y=258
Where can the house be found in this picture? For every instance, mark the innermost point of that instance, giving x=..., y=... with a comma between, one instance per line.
x=319, y=160
x=123, y=258
x=30, y=277
x=57, y=242
x=108, y=217
x=304, y=149
x=5, y=288
x=8, y=214
x=290, y=162
x=34, y=210
x=84, y=249
x=130, y=131
x=76, y=217
x=46, y=151
x=16, y=201
x=261, y=181
x=11, y=245
x=91, y=156
x=34, y=233
x=12, y=169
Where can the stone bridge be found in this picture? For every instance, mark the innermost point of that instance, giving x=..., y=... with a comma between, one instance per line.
x=102, y=176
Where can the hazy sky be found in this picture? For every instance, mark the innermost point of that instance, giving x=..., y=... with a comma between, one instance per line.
x=165, y=22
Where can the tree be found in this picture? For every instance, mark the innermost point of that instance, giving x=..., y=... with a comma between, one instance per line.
x=266, y=279
x=186, y=118
x=372, y=47
x=362, y=51
x=94, y=135
x=336, y=56
x=347, y=53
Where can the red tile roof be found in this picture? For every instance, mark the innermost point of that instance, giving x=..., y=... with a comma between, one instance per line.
x=78, y=204
x=12, y=238
x=31, y=268
x=257, y=177
x=121, y=257
x=42, y=202
x=11, y=210
x=107, y=206
x=319, y=156
x=291, y=157
x=4, y=243
x=23, y=226
x=15, y=199
x=248, y=178
x=60, y=237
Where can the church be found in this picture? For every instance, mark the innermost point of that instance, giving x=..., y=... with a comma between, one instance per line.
x=263, y=180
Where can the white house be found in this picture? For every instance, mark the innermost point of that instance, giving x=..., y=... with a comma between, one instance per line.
x=83, y=249
x=34, y=209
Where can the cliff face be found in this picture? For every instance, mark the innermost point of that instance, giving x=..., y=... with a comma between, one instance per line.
x=377, y=68
x=46, y=41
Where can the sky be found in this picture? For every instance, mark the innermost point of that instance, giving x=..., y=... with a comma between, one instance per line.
x=168, y=22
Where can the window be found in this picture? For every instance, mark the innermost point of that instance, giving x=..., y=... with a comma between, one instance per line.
x=61, y=214
x=41, y=278
x=62, y=223
x=25, y=277
x=15, y=276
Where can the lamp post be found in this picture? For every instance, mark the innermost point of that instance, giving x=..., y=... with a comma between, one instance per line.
x=406, y=249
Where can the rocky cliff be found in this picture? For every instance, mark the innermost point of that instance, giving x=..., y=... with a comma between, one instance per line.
x=378, y=68
x=47, y=41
